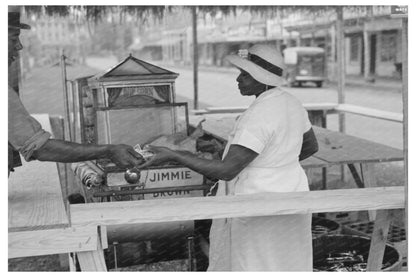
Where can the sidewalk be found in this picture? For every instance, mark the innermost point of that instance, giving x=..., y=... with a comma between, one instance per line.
x=379, y=83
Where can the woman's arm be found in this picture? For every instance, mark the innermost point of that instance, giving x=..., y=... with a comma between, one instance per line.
x=309, y=145
x=237, y=158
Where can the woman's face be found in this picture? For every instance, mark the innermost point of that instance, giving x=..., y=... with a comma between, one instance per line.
x=248, y=85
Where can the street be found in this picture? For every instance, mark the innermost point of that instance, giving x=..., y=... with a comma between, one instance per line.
x=42, y=93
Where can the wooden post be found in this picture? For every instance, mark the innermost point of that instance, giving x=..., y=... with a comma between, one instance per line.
x=94, y=260
x=341, y=75
x=74, y=93
x=405, y=113
x=341, y=66
x=378, y=240
x=72, y=262
x=331, y=70
x=195, y=55
x=369, y=180
x=367, y=46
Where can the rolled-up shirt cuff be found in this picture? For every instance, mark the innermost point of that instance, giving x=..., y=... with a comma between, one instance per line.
x=33, y=144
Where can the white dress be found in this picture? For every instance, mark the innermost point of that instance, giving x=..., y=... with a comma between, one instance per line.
x=273, y=126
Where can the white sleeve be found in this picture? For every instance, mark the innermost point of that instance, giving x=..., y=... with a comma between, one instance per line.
x=252, y=132
x=308, y=124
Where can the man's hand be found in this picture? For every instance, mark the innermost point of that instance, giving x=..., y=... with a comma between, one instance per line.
x=125, y=156
x=160, y=155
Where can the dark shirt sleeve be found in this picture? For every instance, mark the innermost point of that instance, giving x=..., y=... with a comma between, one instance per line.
x=25, y=133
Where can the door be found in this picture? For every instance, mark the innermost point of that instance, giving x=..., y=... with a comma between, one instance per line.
x=373, y=56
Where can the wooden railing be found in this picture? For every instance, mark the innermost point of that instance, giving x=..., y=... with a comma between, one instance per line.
x=114, y=213
x=261, y=204
x=324, y=107
x=86, y=236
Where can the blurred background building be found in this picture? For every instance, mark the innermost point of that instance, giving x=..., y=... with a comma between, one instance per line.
x=372, y=38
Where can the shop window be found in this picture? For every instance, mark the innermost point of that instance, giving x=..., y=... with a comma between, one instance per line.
x=388, y=47
x=354, y=48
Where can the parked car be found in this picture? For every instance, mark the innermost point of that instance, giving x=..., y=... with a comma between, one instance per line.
x=304, y=64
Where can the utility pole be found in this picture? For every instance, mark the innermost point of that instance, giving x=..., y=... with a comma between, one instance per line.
x=366, y=42
x=341, y=75
x=195, y=55
x=341, y=66
x=405, y=115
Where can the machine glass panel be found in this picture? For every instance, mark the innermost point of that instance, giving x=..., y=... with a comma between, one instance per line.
x=133, y=125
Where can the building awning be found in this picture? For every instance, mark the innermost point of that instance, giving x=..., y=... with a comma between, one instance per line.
x=160, y=42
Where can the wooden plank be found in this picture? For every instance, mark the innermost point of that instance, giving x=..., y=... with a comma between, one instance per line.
x=66, y=177
x=378, y=240
x=317, y=118
x=53, y=241
x=198, y=112
x=218, y=126
x=338, y=148
x=261, y=204
x=92, y=260
x=320, y=106
x=221, y=127
x=330, y=107
x=334, y=147
x=356, y=176
x=226, y=109
x=313, y=162
x=102, y=232
x=390, y=116
x=35, y=197
x=72, y=262
x=369, y=179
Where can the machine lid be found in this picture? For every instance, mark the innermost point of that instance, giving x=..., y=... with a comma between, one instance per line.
x=132, y=67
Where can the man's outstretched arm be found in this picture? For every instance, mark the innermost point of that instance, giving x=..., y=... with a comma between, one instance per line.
x=67, y=152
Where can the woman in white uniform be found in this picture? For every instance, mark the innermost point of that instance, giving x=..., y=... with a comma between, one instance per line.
x=262, y=155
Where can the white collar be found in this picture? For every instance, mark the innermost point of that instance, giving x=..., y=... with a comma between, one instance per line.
x=269, y=93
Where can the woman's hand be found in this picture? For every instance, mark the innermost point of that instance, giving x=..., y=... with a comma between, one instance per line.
x=160, y=155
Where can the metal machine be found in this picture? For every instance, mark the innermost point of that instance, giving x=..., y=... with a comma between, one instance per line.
x=133, y=103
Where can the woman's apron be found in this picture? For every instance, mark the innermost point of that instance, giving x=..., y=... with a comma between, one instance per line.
x=267, y=243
